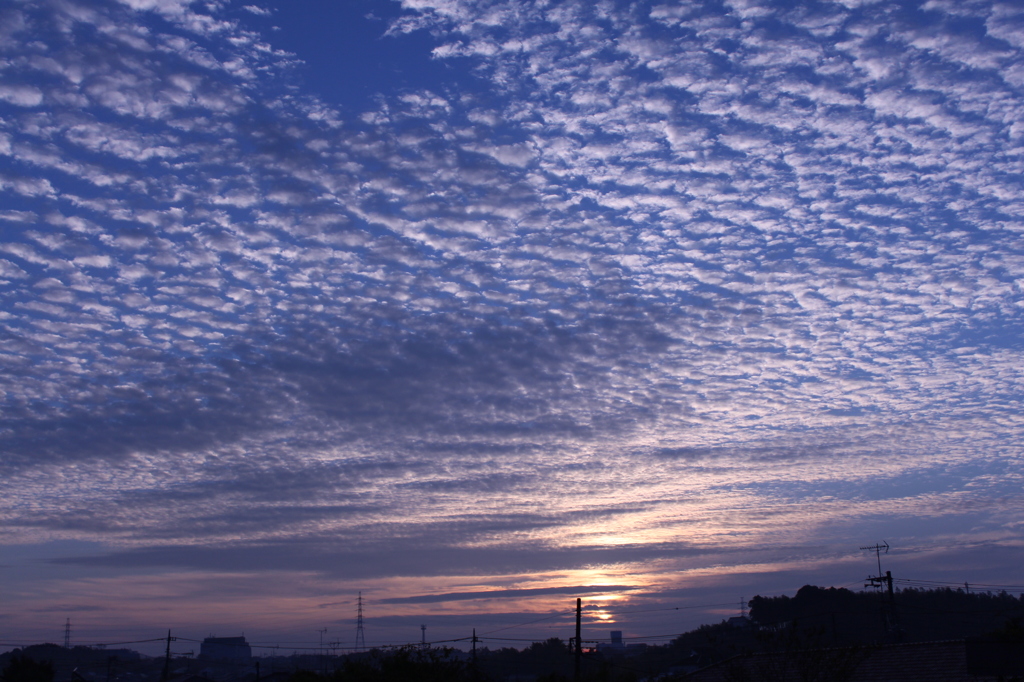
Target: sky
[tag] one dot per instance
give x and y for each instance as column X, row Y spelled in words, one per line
column 475, row 307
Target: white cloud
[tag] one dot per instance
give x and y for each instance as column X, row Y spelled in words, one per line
column 96, row 261
column 30, row 187
column 260, row 11
column 21, row 95
column 163, row 6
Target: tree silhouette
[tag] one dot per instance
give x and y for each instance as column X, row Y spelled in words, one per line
column 24, row 669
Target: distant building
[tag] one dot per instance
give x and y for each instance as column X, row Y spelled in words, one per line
column 225, row 649
column 741, row 622
column 615, row 645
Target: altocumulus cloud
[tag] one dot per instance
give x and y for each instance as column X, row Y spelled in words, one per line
column 679, row 263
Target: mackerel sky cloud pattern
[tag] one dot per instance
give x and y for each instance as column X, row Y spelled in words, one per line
column 635, row 288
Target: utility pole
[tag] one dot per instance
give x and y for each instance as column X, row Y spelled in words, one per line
column 323, row 659
column 167, row 658
column 579, row 644
column 476, row 675
column 423, row 636
column 892, row 598
column 888, row 605
column 67, row 633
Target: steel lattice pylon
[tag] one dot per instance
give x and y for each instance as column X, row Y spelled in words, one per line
column 360, row 639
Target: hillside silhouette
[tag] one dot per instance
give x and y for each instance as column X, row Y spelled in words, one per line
column 847, row 617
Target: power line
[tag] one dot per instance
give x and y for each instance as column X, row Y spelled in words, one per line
column 944, row 583
column 304, row 645
column 677, row 608
column 539, row 620
column 618, row 613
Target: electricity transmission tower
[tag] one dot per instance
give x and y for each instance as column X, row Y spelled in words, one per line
column 360, row 638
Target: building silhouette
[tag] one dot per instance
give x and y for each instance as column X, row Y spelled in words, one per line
column 225, row 649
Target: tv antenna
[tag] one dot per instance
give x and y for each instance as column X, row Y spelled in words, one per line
column 878, row 553
column 360, row 639
column 879, row 581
